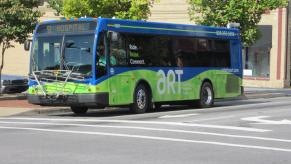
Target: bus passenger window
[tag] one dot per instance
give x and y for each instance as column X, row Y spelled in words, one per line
column 101, row 57
column 117, row 51
column 179, row 60
column 138, row 50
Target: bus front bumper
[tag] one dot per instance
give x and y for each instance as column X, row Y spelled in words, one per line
column 90, row 100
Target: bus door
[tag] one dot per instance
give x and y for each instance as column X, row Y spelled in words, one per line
column 120, row 79
column 120, row 88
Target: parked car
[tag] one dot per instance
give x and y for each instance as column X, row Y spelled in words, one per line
column 13, row 84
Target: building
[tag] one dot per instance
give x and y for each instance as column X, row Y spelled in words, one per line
column 16, row 60
column 266, row 63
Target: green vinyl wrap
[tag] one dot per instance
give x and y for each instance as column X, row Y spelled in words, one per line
column 121, row 86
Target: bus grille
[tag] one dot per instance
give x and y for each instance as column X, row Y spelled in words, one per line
column 55, row 81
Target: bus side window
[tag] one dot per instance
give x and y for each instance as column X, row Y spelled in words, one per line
column 184, row 51
column 179, row 60
column 117, row 50
column 100, row 57
column 149, row 50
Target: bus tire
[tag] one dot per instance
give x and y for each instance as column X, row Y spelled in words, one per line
column 206, row 96
column 141, row 100
column 79, row 109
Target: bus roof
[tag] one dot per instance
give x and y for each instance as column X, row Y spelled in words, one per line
column 133, row 26
column 169, row 28
column 67, row 20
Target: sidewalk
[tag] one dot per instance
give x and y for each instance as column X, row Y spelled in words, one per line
column 253, row 93
column 14, row 104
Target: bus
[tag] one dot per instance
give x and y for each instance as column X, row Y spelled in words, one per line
column 101, row 62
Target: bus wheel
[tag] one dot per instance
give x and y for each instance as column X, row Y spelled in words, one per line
column 141, row 100
column 206, row 95
column 79, row 109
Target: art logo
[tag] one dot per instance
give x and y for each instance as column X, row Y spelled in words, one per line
column 167, row 81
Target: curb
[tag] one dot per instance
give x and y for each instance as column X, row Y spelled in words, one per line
column 46, row 110
column 52, row 110
column 266, row 95
column 13, row 97
column 35, row 111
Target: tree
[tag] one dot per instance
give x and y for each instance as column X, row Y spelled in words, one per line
column 17, row 21
column 57, row 5
column 221, row 12
column 124, row 9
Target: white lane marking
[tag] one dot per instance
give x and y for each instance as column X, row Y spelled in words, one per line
column 149, row 129
column 150, row 138
column 210, row 119
column 261, row 120
column 143, row 122
column 178, row 116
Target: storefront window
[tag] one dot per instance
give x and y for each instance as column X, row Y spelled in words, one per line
column 257, row 62
column 256, row 58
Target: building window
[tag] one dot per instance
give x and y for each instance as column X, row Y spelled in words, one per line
column 257, row 62
column 256, row 58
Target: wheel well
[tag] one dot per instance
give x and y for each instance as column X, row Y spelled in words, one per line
column 206, row 80
column 146, row 84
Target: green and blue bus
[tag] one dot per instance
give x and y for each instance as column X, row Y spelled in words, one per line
column 100, row 62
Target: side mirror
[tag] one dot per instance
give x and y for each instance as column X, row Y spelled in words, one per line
column 27, row 45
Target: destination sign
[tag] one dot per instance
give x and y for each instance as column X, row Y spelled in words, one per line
column 67, row 27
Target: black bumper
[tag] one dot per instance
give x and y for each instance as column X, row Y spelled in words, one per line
column 89, row 100
column 13, row 88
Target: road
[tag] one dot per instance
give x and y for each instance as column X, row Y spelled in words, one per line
column 241, row 131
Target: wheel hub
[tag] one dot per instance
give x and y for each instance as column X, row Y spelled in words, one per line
column 207, row 96
column 141, row 99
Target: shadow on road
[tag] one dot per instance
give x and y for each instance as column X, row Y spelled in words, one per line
column 117, row 111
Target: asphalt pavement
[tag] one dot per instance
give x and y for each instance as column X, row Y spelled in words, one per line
column 252, row 131
column 16, row 104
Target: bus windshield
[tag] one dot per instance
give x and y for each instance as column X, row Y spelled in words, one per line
column 63, row 52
